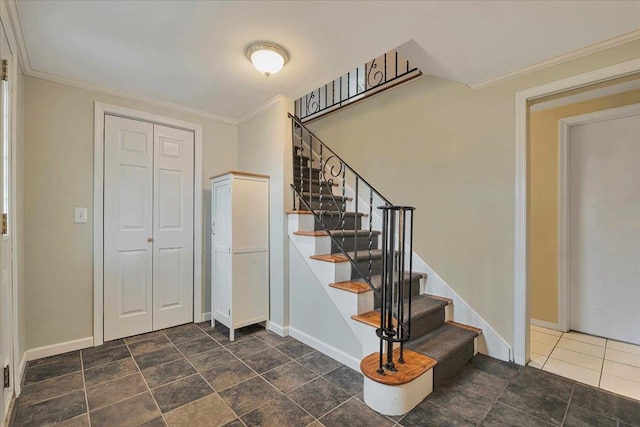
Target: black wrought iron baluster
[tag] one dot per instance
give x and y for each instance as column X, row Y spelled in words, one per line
column 390, row 290
column 357, row 78
column 344, row 201
column 310, row 175
column 300, row 163
column 326, row 97
column 341, row 91
column 401, row 219
column 348, row 84
column 385, row 67
column 396, row 64
column 355, row 228
column 410, row 270
column 320, row 183
column 370, row 230
column 293, row 132
column 381, row 332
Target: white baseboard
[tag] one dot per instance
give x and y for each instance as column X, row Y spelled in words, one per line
column 54, row 349
column 490, row 342
column 545, row 324
column 17, row 386
column 283, row 331
column 322, row 347
column 204, row 317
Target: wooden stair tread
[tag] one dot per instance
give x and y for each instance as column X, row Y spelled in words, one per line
column 317, row 233
column 330, row 258
column 348, row 233
column 352, row 286
column 415, row 364
column 306, row 212
column 326, row 196
column 371, row 318
column 467, row 327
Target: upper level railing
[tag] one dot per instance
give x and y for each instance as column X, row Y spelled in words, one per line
column 379, row 74
column 325, row 191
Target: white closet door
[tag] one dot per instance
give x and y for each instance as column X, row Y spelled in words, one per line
column 128, row 227
column 173, row 227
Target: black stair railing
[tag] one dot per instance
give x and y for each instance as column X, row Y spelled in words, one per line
column 322, row 190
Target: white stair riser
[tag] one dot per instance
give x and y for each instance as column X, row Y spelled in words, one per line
column 399, row 399
column 301, row 223
column 350, row 303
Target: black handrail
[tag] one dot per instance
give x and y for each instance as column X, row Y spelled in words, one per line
column 330, row 213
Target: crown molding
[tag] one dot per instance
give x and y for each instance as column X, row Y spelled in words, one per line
column 267, row 105
column 559, row 59
column 130, row 95
column 27, row 69
column 18, row 35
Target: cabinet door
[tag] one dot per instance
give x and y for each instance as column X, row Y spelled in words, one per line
column 221, row 251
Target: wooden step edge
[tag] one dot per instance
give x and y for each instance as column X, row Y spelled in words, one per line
column 330, row 258
column 415, row 364
column 467, row 327
column 351, row 286
column 317, row 233
column 447, row 300
column 304, row 212
column 371, row 318
column 327, row 196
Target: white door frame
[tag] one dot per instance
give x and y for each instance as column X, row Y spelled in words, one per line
column 564, row 138
column 521, row 302
column 100, row 109
column 18, row 361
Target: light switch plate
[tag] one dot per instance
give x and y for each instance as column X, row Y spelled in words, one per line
column 80, row 216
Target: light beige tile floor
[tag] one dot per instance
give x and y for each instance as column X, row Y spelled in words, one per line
column 599, row 362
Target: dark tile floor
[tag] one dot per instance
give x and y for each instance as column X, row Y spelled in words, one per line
column 193, row 376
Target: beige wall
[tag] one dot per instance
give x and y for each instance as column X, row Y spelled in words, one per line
column 543, row 198
column 264, row 146
column 58, row 170
column 449, row 151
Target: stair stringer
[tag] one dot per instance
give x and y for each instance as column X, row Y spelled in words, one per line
column 490, row 343
column 347, row 303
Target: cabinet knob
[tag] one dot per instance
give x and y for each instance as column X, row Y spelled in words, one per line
column 150, row 239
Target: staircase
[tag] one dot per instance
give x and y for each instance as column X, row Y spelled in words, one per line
column 410, row 344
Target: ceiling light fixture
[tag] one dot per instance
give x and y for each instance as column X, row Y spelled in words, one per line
column 267, row 58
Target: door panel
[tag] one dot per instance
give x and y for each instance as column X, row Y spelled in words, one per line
column 221, row 242
column 173, row 227
column 128, row 227
column 604, row 209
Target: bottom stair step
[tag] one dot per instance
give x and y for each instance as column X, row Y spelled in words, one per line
column 452, row 345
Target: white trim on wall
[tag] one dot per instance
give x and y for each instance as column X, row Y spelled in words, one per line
column 521, row 307
column 100, row 109
column 564, row 138
column 59, row 348
column 559, row 59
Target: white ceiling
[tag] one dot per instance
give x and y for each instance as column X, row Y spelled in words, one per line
column 192, row 53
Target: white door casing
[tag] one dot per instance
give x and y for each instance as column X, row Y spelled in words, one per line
column 522, row 98
column 173, row 227
column 604, row 227
column 6, row 244
column 128, row 227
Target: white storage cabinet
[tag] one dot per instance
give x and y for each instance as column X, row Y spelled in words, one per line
column 240, row 249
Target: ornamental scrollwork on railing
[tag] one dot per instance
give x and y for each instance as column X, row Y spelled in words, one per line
column 332, row 168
